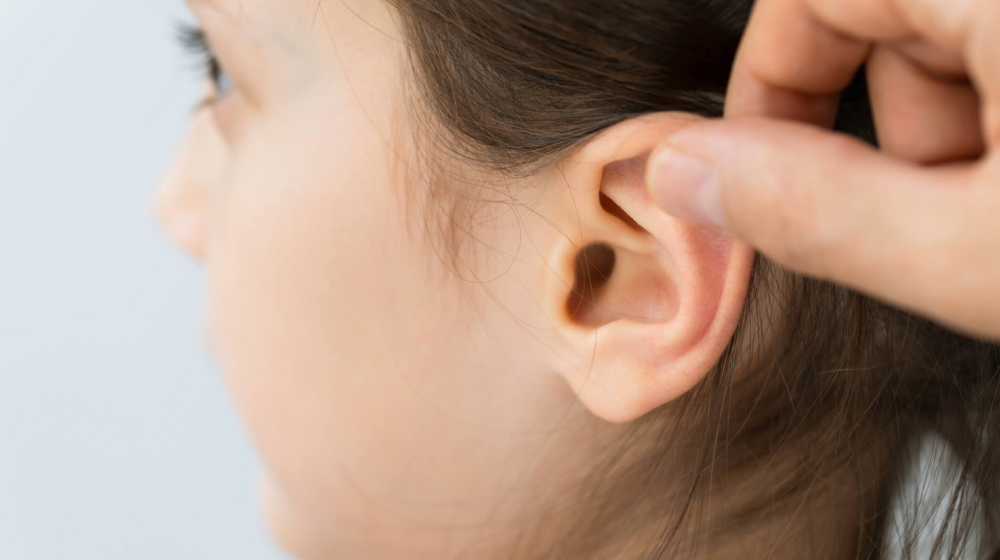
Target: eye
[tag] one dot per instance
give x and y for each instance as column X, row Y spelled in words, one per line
column 220, row 79
column 193, row 40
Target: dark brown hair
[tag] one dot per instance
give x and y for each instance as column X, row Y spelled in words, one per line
column 838, row 385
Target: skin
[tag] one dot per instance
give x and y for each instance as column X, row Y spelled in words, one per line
column 405, row 406
column 913, row 223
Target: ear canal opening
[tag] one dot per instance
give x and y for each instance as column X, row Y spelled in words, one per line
column 592, row 269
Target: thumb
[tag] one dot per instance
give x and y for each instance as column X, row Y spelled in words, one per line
column 829, row 206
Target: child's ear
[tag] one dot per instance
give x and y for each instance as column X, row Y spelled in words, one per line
column 646, row 303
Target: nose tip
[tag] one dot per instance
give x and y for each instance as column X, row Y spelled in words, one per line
column 189, row 232
column 160, row 202
column 183, row 222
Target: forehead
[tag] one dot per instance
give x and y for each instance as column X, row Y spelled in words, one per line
column 242, row 9
column 261, row 21
column 296, row 12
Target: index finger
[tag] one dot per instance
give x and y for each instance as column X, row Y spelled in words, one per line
column 798, row 55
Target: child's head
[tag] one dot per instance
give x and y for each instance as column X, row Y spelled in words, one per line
column 456, row 325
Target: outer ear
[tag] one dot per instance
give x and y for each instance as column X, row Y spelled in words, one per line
column 646, row 303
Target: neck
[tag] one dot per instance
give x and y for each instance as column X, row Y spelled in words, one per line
column 783, row 508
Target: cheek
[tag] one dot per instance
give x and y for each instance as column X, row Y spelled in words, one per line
column 374, row 391
column 297, row 276
column 324, row 317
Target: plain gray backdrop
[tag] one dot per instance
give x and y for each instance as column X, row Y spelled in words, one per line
column 118, row 440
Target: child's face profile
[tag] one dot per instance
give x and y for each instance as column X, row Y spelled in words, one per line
column 438, row 356
column 400, row 408
column 382, row 401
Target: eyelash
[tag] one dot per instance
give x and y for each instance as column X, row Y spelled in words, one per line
column 193, row 40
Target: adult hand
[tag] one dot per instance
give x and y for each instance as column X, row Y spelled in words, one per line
column 916, row 224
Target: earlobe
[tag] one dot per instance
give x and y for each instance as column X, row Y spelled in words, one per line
column 645, row 303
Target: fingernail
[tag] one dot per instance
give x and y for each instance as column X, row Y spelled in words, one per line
column 686, row 187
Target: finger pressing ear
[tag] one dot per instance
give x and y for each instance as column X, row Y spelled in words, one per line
column 832, row 207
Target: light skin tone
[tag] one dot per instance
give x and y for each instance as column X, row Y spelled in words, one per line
column 915, row 223
column 406, row 406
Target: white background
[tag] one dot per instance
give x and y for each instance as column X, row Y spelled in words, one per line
column 117, row 439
